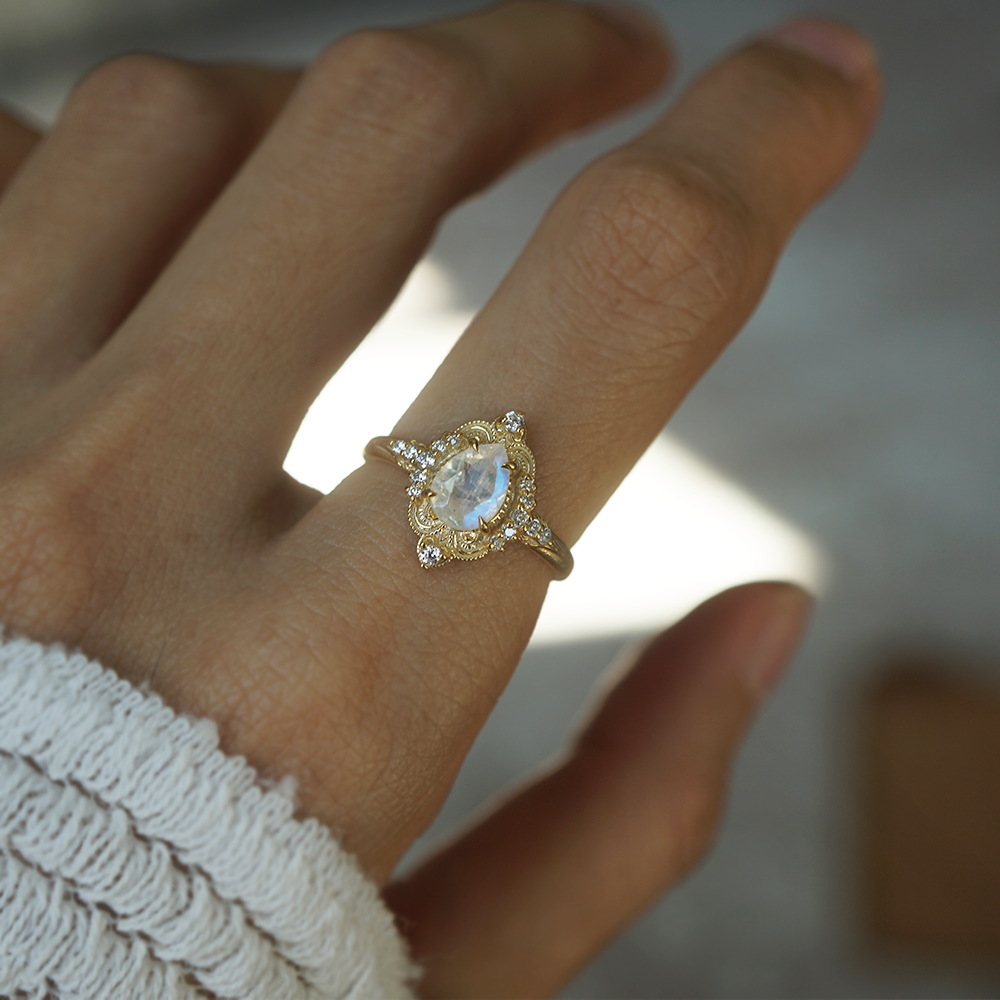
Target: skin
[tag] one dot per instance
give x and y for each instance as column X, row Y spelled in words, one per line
column 187, row 257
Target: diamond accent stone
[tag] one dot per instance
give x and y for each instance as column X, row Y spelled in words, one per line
column 527, row 501
column 454, row 440
column 527, row 485
column 415, row 490
column 471, row 485
column 546, row 536
column 514, row 421
column 534, row 528
column 509, row 531
column 439, row 446
column 410, row 452
column 425, row 459
column 518, row 517
column 420, row 476
column 398, row 447
column 429, row 555
column 497, row 542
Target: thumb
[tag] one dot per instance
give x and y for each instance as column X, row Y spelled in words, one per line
column 523, row 899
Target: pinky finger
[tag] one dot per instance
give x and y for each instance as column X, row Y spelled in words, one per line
column 521, row 901
column 16, row 141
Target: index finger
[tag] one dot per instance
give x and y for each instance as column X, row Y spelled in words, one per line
column 649, row 264
column 641, row 273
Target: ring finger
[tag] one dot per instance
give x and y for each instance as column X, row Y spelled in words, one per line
column 143, row 146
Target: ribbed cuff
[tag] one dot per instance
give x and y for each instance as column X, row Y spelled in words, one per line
column 138, row 860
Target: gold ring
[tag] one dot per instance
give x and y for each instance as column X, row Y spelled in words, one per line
column 473, row 490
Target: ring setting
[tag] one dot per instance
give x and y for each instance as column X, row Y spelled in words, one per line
column 472, row 491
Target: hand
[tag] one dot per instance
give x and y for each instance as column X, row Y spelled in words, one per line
column 192, row 251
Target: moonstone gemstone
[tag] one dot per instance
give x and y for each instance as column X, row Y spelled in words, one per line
column 471, row 485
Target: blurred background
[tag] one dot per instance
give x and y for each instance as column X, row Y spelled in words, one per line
column 849, row 440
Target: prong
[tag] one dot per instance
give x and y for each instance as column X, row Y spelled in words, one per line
column 475, row 445
column 507, row 465
column 483, row 526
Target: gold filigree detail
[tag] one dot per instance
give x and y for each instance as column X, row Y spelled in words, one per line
column 515, row 520
column 439, row 542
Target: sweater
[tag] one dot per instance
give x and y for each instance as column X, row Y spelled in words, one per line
column 137, row 860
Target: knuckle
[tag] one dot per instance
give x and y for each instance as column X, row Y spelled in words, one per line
column 141, row 87
column 661, row 243
column 46, row 553
column 83, row 507
column 400, row 83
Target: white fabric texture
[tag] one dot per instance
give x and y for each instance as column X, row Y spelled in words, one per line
column 139, row 861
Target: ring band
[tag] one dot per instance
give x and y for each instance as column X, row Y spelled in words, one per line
column 473, row 490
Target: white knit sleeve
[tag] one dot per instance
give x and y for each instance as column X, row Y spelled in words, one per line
column 139, row 861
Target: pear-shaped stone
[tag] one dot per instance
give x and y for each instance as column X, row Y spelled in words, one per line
column 471, row 485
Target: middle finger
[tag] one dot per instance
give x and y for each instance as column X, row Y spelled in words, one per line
column 309, row 245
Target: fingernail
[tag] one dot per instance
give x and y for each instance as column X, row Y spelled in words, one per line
column 850, row 54
column 768, row 653
column 630, row 18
